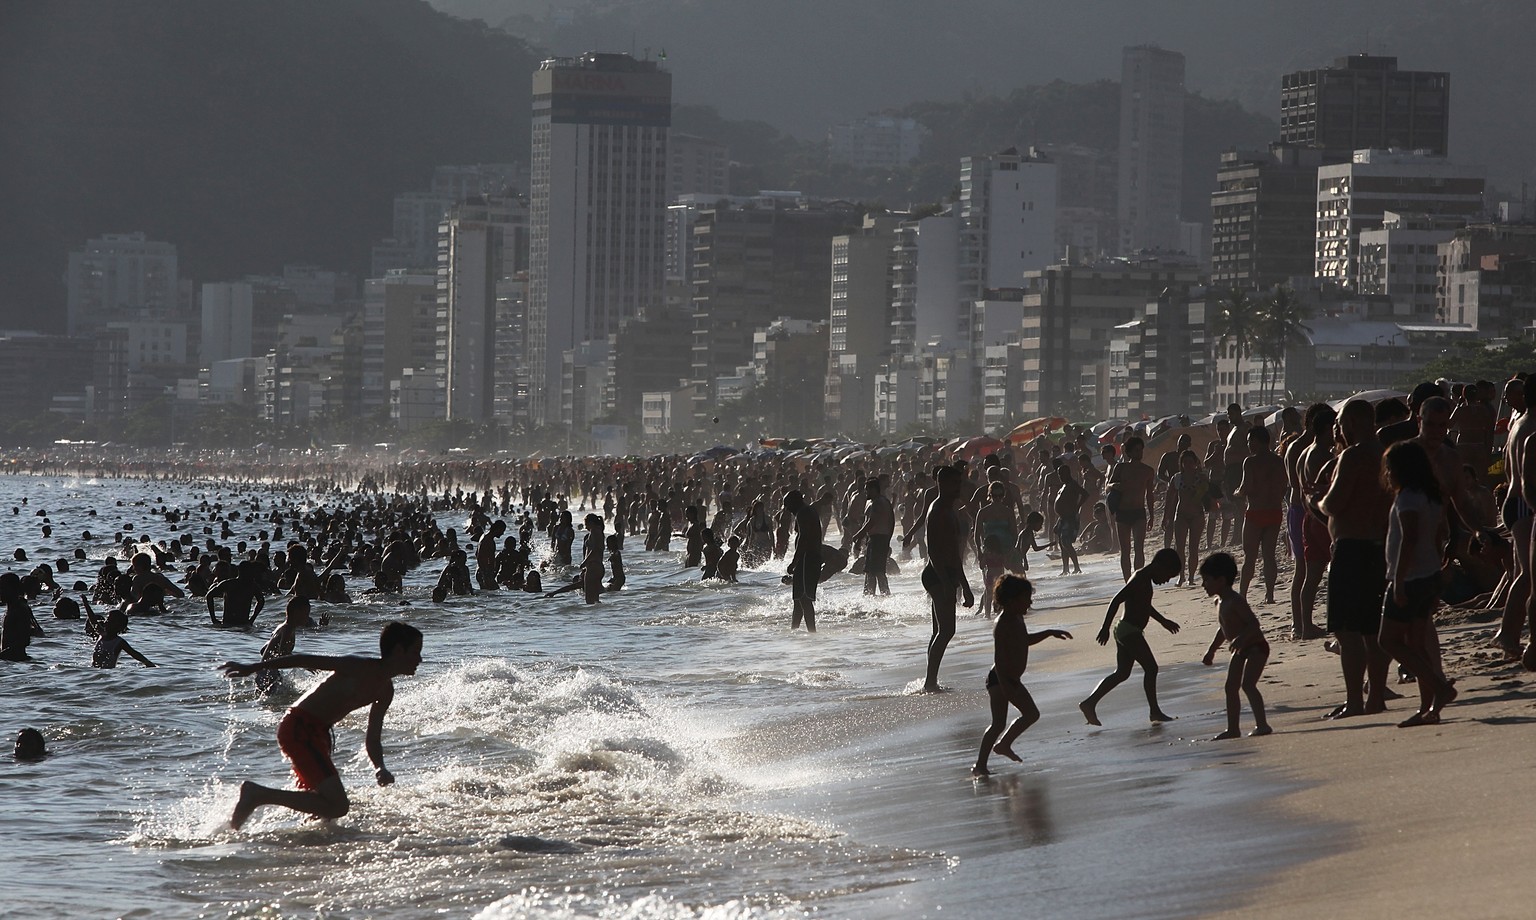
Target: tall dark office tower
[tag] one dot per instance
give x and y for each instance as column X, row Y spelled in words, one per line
column 1364, row 101
column 597, row 207
column 1151, row 148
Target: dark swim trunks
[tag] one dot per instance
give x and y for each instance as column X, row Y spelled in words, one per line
column 307, row 743
column 1132, row 516
column 1421, row 594
column 1357, row 579
column 807, row 576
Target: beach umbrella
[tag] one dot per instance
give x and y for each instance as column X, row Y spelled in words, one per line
column 981, row 446
column 856, row 456
column 1371, row 396
column 1034, row 428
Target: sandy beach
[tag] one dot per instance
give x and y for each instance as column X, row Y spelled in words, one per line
column 1355, row 818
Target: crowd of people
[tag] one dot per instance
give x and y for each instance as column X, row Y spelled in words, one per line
column 1391, row 505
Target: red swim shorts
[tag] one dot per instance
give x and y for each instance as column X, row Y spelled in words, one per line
column 1264, row 517
column 306, row 742
column 1316, row 543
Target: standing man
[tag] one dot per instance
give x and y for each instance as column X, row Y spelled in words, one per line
column 876, row 532
column 1235, row 452
column 805, row 566
column 945, row 572
column 1130, row 483
column 1263, row 488
column 1357, row 507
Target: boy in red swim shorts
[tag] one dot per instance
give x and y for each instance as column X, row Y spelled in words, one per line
column 305, row 731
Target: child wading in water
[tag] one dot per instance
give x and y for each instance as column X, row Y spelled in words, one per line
column 1250, row 650
column 1011, row 594
column 1131, row 646
column 304, row 734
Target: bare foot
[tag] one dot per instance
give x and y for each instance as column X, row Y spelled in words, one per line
column 1005, row 750
column 244, row 806
column 1420, row 718
column 931, row 688
column 1373, row 708
column 1343, row 711
column 1528, row 660
column 1088, row 713
column 1160, row 716
column 1227, row 735
column 1309, row 631
column 979, row 770
column 1260, row 731
column 1445, row 697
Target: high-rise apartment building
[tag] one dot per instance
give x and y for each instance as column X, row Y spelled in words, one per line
column 399, row 332
column 1364, row 101
column 480, row 245
column 227, row 310
column 1007, row 224
column 860, row 332
column 751, row 267
column 1264, row 216
column 598, row 187
column 115, row 277
column 925, row 280
column 1151, row 148
column 1069, row 314
column 1353, row 196
column 697, row 166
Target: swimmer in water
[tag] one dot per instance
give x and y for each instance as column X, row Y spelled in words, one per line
column 304, row 734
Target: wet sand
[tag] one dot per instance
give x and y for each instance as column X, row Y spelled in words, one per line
column 1355, row 818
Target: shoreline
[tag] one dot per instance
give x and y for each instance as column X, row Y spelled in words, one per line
column 1356, row 817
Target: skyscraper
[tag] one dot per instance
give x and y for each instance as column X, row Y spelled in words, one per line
column 480, row 246
column 597, row 206
column 1151, row 148
column 1364, row 101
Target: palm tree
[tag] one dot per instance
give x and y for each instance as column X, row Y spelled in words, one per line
column 1281, row 324
column 1235, row 322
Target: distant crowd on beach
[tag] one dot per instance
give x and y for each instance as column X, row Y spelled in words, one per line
column 1400, row 505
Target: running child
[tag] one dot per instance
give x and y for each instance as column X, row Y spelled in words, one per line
column 1131, row 646
column 304, row 734
column 1011, row 638
column 1240, row 629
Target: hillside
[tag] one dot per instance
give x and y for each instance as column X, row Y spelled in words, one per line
column 250, row 134
column 804, row 64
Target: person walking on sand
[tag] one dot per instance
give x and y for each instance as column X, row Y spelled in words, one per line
column 1011, row 639
column 945, row 572
column 1131, row 646
column 304, row 734
column 805, row 566
column 1240, row 629
column 1263, row 489
column 1356, row 507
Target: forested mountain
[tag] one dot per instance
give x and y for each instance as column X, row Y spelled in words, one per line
column 250, row 134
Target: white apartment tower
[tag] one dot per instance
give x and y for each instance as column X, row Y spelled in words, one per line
column 480, row 246
column 1007, row 224
column 1151, row 148
column 597, row 200
column 1353, row 197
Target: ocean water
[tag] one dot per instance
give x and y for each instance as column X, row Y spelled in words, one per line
column 673, row 752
